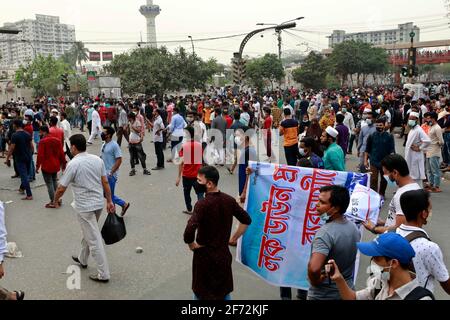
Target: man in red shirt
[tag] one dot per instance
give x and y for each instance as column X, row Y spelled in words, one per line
column 191, row 156
column 55, row 131
column 28, row 128
column 103, row 112
column 51, row 159
column 227, row 116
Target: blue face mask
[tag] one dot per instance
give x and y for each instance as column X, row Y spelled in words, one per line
column 390, row 182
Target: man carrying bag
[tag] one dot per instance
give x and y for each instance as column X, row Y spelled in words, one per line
column 90, row 186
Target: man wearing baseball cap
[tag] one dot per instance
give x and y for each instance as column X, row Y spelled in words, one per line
column 334, row 158
column 391, row 278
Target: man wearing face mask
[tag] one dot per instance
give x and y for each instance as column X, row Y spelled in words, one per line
column 434, row 153
column 112, row 158
column 50, row 159
column 396, row 173
column 336, row 240
column 208, row 236
column 334, row 158
column 191, row 156
column 391, row 278
column 429, row 262
column 366, row 131
column 416, row 144
column 309, row 150
column 379, row 145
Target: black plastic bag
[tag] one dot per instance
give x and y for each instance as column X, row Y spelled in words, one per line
column 114, row 229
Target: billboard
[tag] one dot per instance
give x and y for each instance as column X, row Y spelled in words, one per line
column 107, row 56
column 94, row 56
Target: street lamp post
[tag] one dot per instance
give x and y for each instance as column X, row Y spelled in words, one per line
column 193, row 48
column 32, row 46
column 278, row 31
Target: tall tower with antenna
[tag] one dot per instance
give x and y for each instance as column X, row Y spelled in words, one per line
column 150, row 11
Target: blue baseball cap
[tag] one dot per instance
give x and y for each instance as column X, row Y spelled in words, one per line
column 390, row 245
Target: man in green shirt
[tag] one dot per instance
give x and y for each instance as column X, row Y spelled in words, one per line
column 333, row 158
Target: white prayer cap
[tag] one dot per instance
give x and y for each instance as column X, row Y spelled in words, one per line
column 55, row 111
column 332, row 132
column 367, row 110
column 414, row 114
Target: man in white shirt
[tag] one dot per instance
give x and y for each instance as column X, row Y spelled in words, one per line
column 158, row 127
column 417, row 143
column 429, row 262
column 396, row 173
column 96, row 125
column 5, row 294
column 348, row 120
column 65, row 125
column 87, row 175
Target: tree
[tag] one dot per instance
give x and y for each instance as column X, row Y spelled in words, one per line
column 43, row 75
column 312, row 73
column 156, row 70
column 79, row 52
column 357, row 57
column 265, row 69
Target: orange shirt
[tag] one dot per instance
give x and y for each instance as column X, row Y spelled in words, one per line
column 207, row 112
column 289, row 129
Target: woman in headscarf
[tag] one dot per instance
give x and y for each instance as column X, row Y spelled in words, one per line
column 314, row 131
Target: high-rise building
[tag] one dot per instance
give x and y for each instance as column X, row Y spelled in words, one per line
column 381, row 37
column 43, row 36
column 150, row 12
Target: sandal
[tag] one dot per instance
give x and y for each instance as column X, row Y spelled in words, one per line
column 20, row 295
column 230, row 171
column 50, row 206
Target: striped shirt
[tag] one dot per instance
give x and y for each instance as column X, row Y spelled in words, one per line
column 85, row 173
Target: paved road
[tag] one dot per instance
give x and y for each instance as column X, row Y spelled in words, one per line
column 163, row 271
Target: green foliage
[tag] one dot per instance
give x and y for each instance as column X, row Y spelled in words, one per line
column 265, row 69
column 76, row 55
column 156, row 71
column 43, row 75
column 357, row 57
column 312, row 73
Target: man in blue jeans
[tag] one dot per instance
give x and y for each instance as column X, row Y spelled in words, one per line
column 112, row 157
column 22, row 148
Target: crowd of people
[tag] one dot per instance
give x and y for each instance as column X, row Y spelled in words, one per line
column 318, row 129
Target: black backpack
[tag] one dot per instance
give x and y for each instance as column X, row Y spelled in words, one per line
column 419, row 293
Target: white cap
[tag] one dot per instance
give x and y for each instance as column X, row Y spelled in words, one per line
column 367, row 110
column 55, row 111
column 332, row 132
column 414, row 114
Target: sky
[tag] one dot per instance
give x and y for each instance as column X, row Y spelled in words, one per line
column 120, row 21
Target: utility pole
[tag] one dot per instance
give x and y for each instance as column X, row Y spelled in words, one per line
column 193, row 48
column 280, row 41
column 278, row 31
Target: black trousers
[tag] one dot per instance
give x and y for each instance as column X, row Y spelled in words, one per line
column 159, row 154
column 188, row 184
column 137, row 153
column 292, row 155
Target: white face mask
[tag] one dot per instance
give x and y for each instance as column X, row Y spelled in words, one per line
column 378, row 272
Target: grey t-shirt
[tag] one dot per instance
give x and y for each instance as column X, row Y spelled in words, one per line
column 336, row 240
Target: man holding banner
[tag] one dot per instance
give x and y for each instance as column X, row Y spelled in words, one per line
column 335, row 240
column 286, row 205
